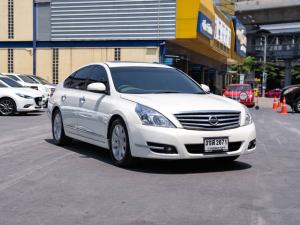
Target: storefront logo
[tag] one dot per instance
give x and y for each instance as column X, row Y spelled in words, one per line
column 222, row 32
column 241, row 38
column 205, row 26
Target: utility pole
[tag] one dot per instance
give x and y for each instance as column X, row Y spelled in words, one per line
column 34, row 37
column 264, row 76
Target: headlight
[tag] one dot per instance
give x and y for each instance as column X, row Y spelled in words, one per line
column 24, row 96
column 151, row 117
column 248, row 117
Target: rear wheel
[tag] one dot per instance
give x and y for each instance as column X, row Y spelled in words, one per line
column 7, row 107
column 58, row 132
column 297, row 105
column 119, row 144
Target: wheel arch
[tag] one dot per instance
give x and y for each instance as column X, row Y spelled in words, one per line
column 9, row 97
column 55, row 108
column 111, row 120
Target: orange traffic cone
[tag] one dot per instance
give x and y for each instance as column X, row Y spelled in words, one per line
column 284, row 108
column 275, row 103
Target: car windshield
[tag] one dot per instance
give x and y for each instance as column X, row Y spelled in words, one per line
column 28, row 79
column 153, row 80
column 10, row 82
column 239, row 88
column 42, row 80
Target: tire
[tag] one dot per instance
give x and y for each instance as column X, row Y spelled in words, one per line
column 7, row 107
column 228, row 159
column 297, row 105
column 119, row 144
column 58, row 131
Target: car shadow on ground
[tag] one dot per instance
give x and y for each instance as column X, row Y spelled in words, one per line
column 157, row 166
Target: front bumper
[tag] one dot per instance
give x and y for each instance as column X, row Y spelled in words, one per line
column 29, row 105
column 179, row 138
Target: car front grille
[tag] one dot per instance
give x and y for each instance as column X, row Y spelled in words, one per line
column 199, row 148
column 222, row 120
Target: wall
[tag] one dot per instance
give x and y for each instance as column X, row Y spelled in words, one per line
column 22, row 20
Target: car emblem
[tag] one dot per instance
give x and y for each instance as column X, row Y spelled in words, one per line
column 213, row 120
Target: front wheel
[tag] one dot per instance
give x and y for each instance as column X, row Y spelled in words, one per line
column 119, row 144
column 58, row 132
column 7, row 107
column 297, row 105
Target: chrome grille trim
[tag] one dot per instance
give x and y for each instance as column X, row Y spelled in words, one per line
column 200, row 120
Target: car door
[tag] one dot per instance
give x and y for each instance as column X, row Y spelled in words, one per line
column 93, row 114
column 70, row 99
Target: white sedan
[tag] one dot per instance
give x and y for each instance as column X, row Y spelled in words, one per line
column 148, row 111
column 15, row 98
column 27, row 81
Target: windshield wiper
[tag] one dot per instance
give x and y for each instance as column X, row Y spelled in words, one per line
column 168, row 92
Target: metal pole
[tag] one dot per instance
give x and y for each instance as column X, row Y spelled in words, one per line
column 34, row 38
column 264, row 68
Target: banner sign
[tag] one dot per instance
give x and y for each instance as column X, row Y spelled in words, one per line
column 241, row 38
column 222, row 32
column 205, row 26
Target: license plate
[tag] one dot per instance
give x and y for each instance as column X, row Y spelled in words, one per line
column 215, row 145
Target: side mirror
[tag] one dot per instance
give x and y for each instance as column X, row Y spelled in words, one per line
column 96, row 87
column 205, row 88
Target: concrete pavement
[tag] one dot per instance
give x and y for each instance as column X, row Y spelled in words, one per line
column 42, row 184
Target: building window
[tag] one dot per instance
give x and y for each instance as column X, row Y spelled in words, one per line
column 117, row 54
column 55, row 66
column 11, row 19
column 10, row 61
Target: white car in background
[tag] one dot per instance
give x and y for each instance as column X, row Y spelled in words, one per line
column 15, row 98
column 44, row 82
column 26, row 81
column 148, row 110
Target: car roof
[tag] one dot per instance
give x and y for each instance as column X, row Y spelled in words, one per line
column 135, row 64
column 13, row 74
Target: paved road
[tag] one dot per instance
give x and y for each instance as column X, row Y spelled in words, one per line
column 42, row 184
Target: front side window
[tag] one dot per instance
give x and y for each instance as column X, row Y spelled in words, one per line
column 2, row 85
column 153, row 80
column 98, row 74
column 78, row 79
column 10, row 82
column 28, row 79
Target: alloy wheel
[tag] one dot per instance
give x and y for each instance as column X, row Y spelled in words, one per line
column 119, row 142
column 57, row 127
column 6, row 107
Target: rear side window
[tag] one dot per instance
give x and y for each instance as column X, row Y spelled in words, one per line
column 2, row 85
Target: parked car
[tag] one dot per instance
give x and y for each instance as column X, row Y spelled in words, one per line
column 15, row 98
column 26, row 81
column 148, row 111
column 273, row 93
column 292, row 95
column 242, row 93
column 44, row 82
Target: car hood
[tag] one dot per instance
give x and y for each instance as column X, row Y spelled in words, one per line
column 27, row 91
column 177, row 103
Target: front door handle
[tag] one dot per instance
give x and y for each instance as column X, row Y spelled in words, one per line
column 63, row 98
column 82, row 100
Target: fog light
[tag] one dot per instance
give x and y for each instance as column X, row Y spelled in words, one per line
column 27, row 106
column 252, row 144
column 162, row 148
